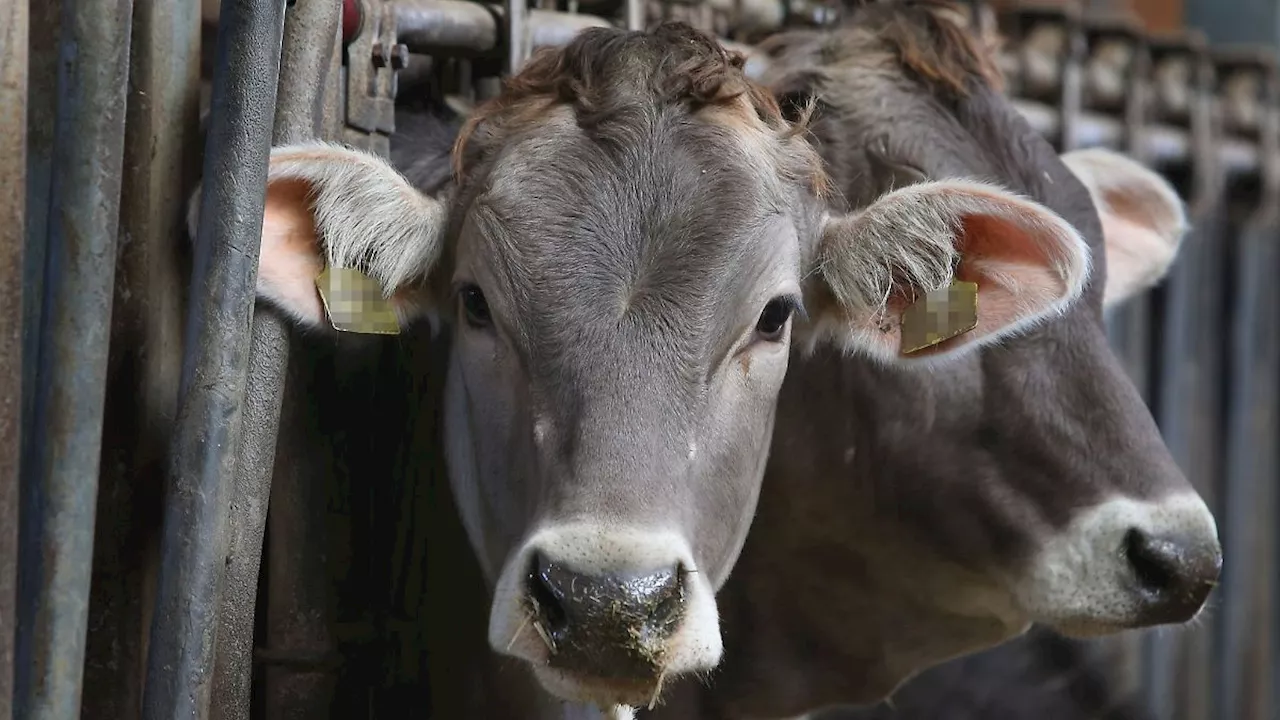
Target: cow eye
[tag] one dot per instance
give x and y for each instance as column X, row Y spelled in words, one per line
column 474, row 306
column 774, row 317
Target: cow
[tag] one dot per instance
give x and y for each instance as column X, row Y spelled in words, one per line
column 908, row 517
column 631, row 230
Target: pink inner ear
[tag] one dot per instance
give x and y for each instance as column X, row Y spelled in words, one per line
column 290, row 257
column 1136, row 256
column 1016, row 275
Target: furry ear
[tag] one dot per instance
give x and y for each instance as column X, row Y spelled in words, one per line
column 333, row 206
column 1028, row 264
column 1143, row 219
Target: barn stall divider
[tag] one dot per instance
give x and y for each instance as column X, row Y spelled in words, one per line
column 144, row 434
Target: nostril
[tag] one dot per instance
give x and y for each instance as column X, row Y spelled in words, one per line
column 660, row 595
column 1154, row 563
column 548, row 598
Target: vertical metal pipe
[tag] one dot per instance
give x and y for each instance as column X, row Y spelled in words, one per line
column 161, row 161
column 13, row 176
column 307, row 69
column 207, row 433
column 517, row 14
column 61, row 458
column 44, row 30
column 635, row 14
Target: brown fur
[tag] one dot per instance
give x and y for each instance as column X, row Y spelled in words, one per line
column 928, row 42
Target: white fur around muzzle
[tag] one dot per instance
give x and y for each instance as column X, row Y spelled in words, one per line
column 1081, row 581
column 596, row 549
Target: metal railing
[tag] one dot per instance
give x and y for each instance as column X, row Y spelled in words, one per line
column 124, row 398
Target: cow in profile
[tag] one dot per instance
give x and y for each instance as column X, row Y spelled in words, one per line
column 632, row 229
column 912, row 515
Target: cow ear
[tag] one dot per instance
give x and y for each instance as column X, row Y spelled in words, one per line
column 1143, row 219
column 1027, row 262
column 336, row 207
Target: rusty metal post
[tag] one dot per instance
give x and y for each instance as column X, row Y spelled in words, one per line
column 369, row 77
column 307, row 69
column 180, row 656
column 61, row 448
column 13, row 198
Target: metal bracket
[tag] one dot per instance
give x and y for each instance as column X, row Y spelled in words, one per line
column 370, row 63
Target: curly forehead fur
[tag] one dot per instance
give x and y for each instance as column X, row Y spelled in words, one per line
column 610, row 77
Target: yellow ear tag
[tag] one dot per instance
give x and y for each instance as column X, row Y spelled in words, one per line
column 354, row 302
column 940, row 315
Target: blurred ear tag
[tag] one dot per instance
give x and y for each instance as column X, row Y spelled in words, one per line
column 940, row 315
column 354, row 302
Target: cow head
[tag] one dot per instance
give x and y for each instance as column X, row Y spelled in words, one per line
column 1027, row 482
column 632, row 229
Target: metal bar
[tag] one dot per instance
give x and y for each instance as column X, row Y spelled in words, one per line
column 61, row 457
column 517, row 14
column 307, row 68
column 635, row 15
column 207, row 432
column 13, row 176
column 471, row 29
column 264, row 394
column 161, row 161
column 44, row 25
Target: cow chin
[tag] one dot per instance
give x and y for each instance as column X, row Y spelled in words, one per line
column 600, row 692
column 1125, row 564
column 604, row 615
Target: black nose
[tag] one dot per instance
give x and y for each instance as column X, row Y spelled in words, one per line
column 604, row 626
column 1175, row 574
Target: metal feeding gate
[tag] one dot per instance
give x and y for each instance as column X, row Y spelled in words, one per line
column 140, row 415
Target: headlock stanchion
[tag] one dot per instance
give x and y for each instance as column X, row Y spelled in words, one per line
column 180, row 660
column 260, row 420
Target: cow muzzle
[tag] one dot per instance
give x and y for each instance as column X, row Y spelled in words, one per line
column 605, row 616
column 613, row 626
column 1126, row 564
